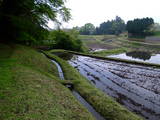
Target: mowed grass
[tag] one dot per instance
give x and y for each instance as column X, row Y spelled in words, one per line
column 103, row 104
column 30, row 88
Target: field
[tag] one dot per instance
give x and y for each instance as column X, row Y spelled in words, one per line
column 119, row 44
column 134, row 86
column 133, row 79
column 31, row 88
column 103, row 104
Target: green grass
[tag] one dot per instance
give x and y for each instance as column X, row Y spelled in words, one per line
column 157, row 33
column 103, row 104
column 30, row 88
column 5, row 74
column 31, row 58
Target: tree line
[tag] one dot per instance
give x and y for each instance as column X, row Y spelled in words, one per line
column 136, row 27
column 116, row 26
column 140, row 27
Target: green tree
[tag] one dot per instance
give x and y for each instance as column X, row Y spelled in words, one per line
column 87, row 29
column 139, row 27
column 118, row 25
column 25, row 21
column 115, row 26
column 66, row 40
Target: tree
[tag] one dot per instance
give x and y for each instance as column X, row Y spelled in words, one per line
column 140, row 27
column 106, row 28
column 118, row 25
column 87, row 29
column 115, row 26
column 25, row 21
column 66, row 40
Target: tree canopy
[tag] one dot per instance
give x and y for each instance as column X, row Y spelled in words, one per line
column 139, row 27
column 115, row 26
column 25, row 21
column 67, row 40
column 87, row 29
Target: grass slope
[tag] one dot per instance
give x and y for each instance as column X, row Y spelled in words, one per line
column 30, row 88
column 105, row 105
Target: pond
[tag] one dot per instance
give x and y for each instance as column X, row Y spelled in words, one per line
column 139, row 56
column 134, row 86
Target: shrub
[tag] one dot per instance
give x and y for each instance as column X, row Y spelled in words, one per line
column 65, row 40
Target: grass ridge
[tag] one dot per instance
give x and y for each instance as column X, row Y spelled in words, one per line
column 103, row 104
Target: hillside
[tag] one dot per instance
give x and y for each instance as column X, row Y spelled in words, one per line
column 29, row 88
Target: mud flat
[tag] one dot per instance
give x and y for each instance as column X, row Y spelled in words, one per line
column 134, row 86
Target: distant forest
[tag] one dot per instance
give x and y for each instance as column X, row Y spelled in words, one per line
column 140, row 27
column 136, row 27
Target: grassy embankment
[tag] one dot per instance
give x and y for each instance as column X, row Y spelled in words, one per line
column 30, row 88
column 105, row 105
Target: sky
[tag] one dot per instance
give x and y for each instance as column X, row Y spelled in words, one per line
column 98, row 11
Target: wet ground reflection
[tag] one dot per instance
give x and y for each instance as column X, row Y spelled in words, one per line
column 136, row 87
column 139, row 56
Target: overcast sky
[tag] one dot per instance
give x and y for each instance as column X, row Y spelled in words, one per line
column 98, row 11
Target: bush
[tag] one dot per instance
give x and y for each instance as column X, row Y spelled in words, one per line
column 65, row 40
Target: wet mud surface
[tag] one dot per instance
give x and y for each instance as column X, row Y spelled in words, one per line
column 134, row 86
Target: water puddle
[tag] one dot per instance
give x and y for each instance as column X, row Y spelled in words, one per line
column 139, row 56
column 97, row 50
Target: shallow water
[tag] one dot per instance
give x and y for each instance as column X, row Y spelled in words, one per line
column 134, row 86
column 139, row 56
column 97, row 50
